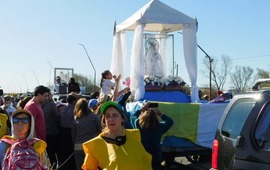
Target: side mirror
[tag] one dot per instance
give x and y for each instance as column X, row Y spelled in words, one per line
column 240, row 141
column 1, row 92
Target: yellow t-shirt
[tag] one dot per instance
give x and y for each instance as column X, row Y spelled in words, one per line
column 130, row 156
column 3, row 123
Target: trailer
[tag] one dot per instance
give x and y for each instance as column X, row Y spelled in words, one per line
column 193, row 131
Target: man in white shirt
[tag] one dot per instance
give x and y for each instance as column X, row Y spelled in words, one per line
column 60, row 87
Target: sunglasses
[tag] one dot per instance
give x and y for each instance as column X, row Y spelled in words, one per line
column 23, row 120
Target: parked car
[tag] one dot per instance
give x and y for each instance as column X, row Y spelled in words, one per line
column 242, row 140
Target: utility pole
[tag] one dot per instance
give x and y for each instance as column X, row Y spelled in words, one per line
column 210, row 72
column 91, row 65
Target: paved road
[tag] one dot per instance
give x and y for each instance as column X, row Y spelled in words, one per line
column 183, row 164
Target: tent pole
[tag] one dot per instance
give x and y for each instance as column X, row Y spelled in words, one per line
column 173, row 53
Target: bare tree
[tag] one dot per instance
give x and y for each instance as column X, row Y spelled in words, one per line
column 262, row 74
column 84, row 81
column 241, row 77
column 219, row 71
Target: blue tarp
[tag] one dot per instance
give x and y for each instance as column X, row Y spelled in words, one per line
column 167, row 96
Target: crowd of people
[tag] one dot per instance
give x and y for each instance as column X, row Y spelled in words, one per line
column 79, row 133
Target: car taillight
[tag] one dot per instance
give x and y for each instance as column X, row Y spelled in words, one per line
column 215, row 154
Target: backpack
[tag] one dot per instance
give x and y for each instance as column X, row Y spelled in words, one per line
column 21, row 155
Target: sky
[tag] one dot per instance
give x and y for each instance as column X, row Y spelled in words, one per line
column 37, row 36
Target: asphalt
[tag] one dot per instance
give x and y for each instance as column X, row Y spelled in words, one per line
column 183, row 164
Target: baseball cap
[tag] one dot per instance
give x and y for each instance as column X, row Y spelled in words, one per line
column 92, row 103
column 107, row 104
column 7, row 96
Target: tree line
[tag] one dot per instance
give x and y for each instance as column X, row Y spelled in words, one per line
column 241, row 78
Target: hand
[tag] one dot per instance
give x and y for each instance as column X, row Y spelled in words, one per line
column 117, row 79
column 157, row 111
column 126, row 89
column 145, row 107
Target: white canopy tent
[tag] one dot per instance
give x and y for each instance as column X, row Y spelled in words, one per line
column 157, row 17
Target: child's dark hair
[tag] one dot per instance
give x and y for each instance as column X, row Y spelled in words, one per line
column 103, row 76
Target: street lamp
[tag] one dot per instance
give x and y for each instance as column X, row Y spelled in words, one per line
column 26, row 84
column 50, row 71
column 19, row 85
column 210, row 71
column 35, row 77
column 91, row 65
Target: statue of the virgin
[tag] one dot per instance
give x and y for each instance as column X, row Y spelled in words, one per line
column 154, row 65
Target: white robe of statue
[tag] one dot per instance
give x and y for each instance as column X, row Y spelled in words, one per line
column 154, row 64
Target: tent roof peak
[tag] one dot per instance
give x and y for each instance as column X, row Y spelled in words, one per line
column 157, row 17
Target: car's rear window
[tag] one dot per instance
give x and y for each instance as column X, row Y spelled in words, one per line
column 236, row 117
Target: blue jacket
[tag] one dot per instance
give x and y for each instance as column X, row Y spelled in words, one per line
column 151, row 138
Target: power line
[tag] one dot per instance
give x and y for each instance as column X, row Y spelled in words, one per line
column 243, row 58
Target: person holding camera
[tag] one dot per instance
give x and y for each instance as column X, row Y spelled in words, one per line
column 147, row 121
